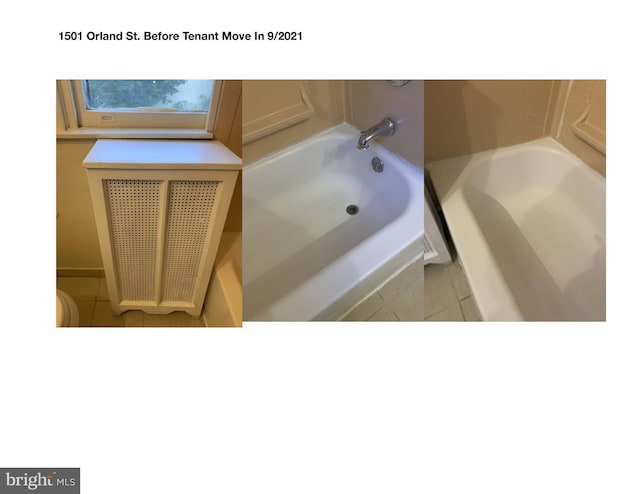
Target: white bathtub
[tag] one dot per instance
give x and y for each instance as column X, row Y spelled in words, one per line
column 304, row 257
column 528, row 223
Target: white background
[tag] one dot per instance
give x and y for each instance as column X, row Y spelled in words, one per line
column 317, row 408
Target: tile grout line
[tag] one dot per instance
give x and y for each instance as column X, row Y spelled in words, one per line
column 448, row 276
column 402, row 290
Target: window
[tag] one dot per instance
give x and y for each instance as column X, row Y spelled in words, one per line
column 137, row 108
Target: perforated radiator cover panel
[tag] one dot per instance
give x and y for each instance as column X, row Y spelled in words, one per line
column 138, row 213
column 133, row 211
column 188, row 220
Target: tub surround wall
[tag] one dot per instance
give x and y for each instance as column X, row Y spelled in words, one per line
column 574, row 98
column 368, row 102
column 361, row 103
column 274, row 105
column 265, row 98
column 465, row 116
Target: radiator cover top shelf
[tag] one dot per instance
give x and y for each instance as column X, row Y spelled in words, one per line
column 160, row 207
column 128, row 153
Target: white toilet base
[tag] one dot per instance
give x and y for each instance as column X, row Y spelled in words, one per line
column 66, row 310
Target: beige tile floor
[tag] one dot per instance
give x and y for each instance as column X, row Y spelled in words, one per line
column 400, row 299
column 431, row 293
column 447, row 296
column 92, row 299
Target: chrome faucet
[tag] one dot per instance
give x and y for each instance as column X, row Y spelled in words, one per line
column 386, row 127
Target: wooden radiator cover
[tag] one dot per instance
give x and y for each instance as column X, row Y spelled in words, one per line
column 160, row 207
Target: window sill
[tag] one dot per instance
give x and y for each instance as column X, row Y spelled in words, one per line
column 94, row 133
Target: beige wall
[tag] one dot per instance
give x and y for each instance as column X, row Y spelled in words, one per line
column 77, row 244
column 368, row 102
column 463, row 117
column 361, row 103
column 228, row 129
column 574, row 98
column 260, row 98
column 76, row 235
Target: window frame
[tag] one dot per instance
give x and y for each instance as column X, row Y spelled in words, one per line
column 73, row 120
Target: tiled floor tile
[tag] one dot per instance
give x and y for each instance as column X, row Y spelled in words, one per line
column 133, row 318
column 447, row 294
column 438, row 289
column 103, row 293
column 103, row 317
column 401, row 298
column 175, row 319
column 79, row 287
column 408, row 305
column 459, row 280
column 384, row 314
column 451, row 313
column 402, row 280
column 469, row 310
column 92, row 299
column 85, row 311
column 365, row 309
column 196, row 322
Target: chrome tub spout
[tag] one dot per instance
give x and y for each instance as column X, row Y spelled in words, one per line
column 386, row 127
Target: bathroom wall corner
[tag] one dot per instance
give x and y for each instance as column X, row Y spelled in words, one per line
column 574, row 99
column 327, row 99
column 228, row 130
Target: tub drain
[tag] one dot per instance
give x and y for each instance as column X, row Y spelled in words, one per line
column 352, row 209
column 377, row 164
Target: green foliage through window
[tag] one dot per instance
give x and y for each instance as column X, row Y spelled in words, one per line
column 132, row 94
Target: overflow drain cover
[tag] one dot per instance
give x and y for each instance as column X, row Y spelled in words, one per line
column 352, row 209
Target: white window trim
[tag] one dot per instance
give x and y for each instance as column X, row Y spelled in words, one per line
column 69, row 120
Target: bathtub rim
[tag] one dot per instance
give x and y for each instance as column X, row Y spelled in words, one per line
column 493, row 296
column 347, row 130
column 457, row 169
